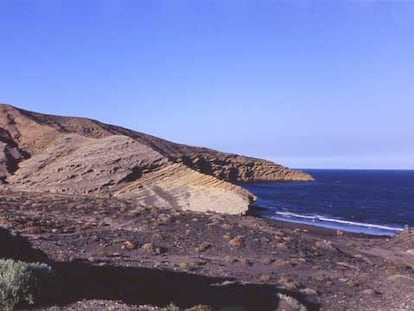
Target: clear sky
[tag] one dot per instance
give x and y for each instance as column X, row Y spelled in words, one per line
column 327, row 84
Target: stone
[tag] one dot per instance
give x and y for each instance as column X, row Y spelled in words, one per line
column 32, row 230
column 148, row 248
column 130, row 245
column 236, row 241
column 202, row 247
column 164, row 218
column 265, row 277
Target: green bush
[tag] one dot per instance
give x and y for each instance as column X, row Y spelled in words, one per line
column 22, row 283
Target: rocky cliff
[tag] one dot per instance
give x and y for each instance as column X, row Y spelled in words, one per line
column 80, row 156
column 10, row 155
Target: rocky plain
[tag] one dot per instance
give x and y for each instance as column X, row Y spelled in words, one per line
column 128, row 221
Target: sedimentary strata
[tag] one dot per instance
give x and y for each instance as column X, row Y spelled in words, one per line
column 80, row 156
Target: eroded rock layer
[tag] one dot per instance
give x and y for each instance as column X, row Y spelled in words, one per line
column 80, row 156
column 82, row 165
column 178, row 186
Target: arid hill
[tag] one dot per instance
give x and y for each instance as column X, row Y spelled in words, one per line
column 40, row 152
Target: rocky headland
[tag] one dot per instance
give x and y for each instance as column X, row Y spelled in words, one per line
column 80, row 156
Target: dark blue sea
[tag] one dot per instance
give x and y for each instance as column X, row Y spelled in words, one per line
column 379, row 202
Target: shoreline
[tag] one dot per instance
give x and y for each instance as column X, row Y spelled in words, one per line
column 319, row 231
column 314, row 227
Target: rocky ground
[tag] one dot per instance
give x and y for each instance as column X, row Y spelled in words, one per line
column 115, row 255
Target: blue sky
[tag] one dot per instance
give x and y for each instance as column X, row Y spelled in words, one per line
column 326, row 84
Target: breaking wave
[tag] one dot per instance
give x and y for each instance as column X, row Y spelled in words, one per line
column 333, row 223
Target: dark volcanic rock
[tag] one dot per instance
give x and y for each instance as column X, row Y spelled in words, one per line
column 10, row 155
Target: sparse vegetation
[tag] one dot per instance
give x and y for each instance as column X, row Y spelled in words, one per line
column 292, row 302
column 199, row 308
column 21, row 283
column 173, row 307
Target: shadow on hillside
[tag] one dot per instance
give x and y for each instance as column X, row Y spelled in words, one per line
column 156, row 287
column 76, row 281
column 14, row 246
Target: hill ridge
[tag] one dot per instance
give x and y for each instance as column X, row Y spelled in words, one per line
column 81, row 156
column 194, row 157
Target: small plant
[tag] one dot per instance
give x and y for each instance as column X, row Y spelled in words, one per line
column 202, row 247
column 292, row 302
column 172, row 307
column 199, row 308
column 21, row 283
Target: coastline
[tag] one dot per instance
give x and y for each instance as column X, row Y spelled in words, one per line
column 311, row 228
column 374, row 202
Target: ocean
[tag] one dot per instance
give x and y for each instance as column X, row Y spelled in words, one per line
column 377, row 202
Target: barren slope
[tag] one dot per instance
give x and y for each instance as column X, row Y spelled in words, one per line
column 23, row 124
column 80, row 156
column 126, row 168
